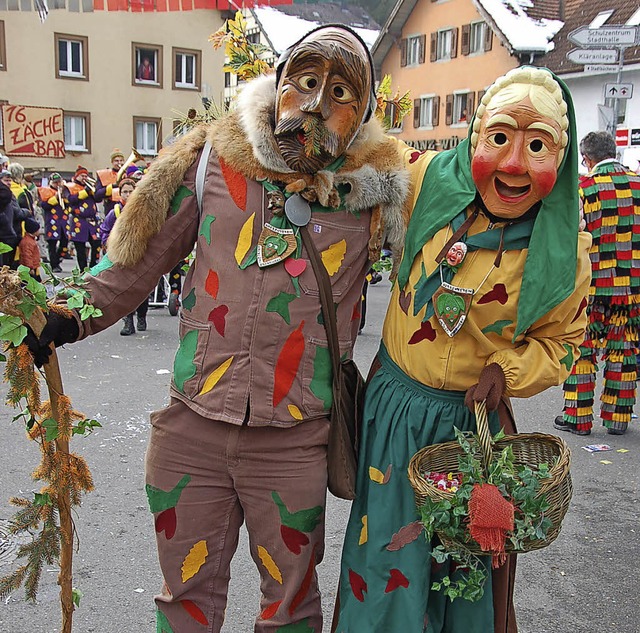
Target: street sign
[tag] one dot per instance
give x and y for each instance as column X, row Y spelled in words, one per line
column 622, row 137
column 601, row 68
column 635, row 136
column 618, row 91
column 621, row 35
column 592, row 56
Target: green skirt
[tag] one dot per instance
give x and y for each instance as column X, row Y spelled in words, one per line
column 387, row 568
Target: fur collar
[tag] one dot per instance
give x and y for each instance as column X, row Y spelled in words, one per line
column 244, row 140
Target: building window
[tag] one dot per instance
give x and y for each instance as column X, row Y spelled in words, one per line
column 227, row 80
column 444, row 44
column 3, row 48
column 146, row 135
column 394, row 125
column 147, row 65
column 425, row 112
column 253, row 37
column 477, row 37
column 186, row 69
column 462, row 108
column 2, row 102
column 72, row 56
column 76, row 131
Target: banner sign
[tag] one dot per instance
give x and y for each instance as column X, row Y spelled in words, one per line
column 33, row 131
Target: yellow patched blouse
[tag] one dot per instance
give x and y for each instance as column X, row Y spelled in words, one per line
column 539, row 359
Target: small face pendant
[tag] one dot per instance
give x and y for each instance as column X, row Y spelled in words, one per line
column 456, row 254
column 274, row 245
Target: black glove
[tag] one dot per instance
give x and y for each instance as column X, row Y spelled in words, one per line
column 490, row 387
column 59, row 330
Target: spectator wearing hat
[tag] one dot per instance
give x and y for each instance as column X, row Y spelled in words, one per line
column 4, row 162
column 134, row 173
column 28, row 249
column 106, row 183
column 56, row 217
column 83, row 217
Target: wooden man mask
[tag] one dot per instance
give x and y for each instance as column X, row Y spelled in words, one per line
column 324, row 95
column 518, row 140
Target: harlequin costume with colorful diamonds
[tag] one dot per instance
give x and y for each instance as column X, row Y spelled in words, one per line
column 611, row 198
column 244, row 437
column 526, row 278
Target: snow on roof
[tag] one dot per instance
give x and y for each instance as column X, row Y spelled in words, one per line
column 284, row 30
column 523, row 33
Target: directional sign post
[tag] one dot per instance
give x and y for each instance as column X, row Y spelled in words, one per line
column 618, row 91
column 605, row 45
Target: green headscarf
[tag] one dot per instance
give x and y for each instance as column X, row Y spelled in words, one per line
column 550, row 268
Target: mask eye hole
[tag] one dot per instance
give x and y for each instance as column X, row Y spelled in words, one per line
column 536, row 145
column 500, row 138
column 342, row 94
column 308, row 82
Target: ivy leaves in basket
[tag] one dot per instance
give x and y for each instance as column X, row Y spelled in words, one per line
column 448, row 518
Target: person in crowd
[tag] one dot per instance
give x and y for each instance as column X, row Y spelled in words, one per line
column 4, row 162
column 20, row 189
column 610, row 195
column 83, row 217
column 486, row 306
column 107, row 188
column 56, row 217
column 17, row 215
column 244, row 438
column 8, row 203
column 126, row 189
column 32, row 187
column 146, row 71
column 28, row 248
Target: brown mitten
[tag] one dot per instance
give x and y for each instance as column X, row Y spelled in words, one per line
column 490, row 387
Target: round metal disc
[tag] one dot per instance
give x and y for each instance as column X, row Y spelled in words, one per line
column 297, row 210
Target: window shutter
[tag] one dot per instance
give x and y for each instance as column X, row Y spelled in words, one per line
column 403, row 52
column 480, row 95
column 416, row 113
column 466, row 37
column 423, row 46
column 454, row 42
column 433, row 53
column 448, row 113
column 435, row 115
column 470, row 105
column 488, row 37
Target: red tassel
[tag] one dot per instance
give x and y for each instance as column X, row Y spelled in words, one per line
column 490, row 518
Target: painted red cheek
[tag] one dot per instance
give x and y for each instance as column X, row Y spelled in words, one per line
column 482, row 168
column 545, row 181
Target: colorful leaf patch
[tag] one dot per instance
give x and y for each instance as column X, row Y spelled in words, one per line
column 245, row 238
column 195, row 612
column 405, row 535
column 497, row 293
column 212, row 284
column 396, row 579
column 294, row 412
column 189, row 302
column 194, row 560
column 305, row 520
column 567, row 361
column 364, row 532
column 425, row 331
column 280, row 304
column 287, row 364
column 182, row 193
column 205, row 227
column 358, row 585
column 269, row 565
column 497, row 327
column 218, row 317
column 183, row 366
column 162, row 624
column 167, row 522
column 306, row 583
column 297, row 627
column 270, row 610
column 322, row 373
column 294, row 539
column 404, row 299
column 104, row 264
column 378, row 476
column 214, row 377
column 236, row 184
column 332, row 257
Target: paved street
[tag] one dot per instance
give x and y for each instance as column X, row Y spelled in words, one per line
column 586, row 581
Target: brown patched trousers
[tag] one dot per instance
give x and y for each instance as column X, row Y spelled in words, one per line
column 204, row 479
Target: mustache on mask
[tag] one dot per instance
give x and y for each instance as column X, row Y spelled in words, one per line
column 316, row 135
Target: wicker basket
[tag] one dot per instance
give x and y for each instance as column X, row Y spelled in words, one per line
column 529, row 449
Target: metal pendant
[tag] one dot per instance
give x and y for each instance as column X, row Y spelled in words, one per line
column 274, row 245
column 451, row 305
column 297, row 210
